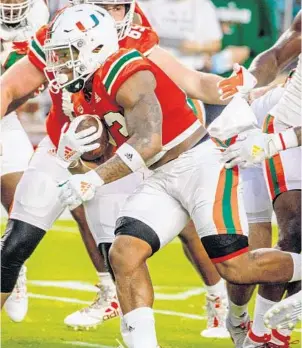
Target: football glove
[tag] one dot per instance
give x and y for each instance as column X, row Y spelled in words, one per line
column 72, row 145
column 251, row 148
column 79, row 188
column 241, row 81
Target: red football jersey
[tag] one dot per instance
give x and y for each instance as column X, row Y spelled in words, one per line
column 179, row 113
column 179, row 119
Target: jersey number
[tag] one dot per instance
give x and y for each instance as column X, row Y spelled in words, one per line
column 136, row 32
column 117, row 124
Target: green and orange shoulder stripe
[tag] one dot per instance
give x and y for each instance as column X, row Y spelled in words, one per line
column 36, row 54
column 119, row 67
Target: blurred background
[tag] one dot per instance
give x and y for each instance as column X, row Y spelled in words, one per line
column 206, row 35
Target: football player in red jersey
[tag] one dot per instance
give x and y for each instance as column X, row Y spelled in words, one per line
column 146, row 41
column 122, row 87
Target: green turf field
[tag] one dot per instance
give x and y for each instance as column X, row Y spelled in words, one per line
column 62, row 261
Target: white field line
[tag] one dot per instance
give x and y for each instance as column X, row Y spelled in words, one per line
column 75, row 300
column 86, row 344
column 81, row 286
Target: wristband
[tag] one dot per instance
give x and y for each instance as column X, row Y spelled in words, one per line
column 286, row 140
column 289, row 138
column 93, row 178
column 131, row 157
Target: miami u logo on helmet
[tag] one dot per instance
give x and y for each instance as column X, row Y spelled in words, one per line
column 82, row 27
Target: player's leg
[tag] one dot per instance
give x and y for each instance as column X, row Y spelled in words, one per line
column 259, row 211
column 283, row 174
column 258, row 208
column 216, row 294
column 16, row 153
column 36, row 206
column 97, row 228
column 148, row 221
column 223, row 235
column 94, row 253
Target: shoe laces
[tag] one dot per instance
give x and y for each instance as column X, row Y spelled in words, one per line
column 216, row 310
column 103, row 298
column 247, row 325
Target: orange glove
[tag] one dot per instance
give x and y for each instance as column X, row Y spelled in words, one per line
column 241, row 81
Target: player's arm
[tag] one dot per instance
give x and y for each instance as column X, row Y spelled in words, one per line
column 197, row 85
column 18, row 83
column 266, row 66
column 143, row 116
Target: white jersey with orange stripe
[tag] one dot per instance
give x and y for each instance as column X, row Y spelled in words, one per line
column 288, row 109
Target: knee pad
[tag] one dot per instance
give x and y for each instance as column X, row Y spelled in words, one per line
column 36, row 200
column 223, row 247
column 132, row 227
column 17, row 244
column 104, row 250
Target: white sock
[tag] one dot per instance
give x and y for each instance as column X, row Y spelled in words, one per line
column 105, row 279
column 297, row 274
column 237, row 313
column 141, row 325
column 125, row 333
column 217, row 289
column 261, row 307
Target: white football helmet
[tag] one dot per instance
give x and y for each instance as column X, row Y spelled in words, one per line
column 14, row 13
column 124, row 26
column 80, row 39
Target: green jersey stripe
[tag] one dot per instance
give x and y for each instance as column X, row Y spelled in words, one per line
column 117, row 68
column 226, row 203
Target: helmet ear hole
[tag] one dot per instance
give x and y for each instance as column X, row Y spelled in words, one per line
column 97, row 49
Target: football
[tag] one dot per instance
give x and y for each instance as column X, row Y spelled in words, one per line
column 88, row 122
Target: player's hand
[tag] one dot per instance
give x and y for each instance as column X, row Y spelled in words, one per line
column 72, row 145
column 251, row 148
column 79, row 188
column 241, row 81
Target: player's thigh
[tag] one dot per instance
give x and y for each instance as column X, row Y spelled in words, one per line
column 257, row 203
column 282, row 171
column 102, row 211
column 152, row 207
column 36, row 199
column 213, row 197
column 16, row 147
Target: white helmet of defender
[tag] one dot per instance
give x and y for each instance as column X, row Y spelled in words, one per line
column 124, row 26
column 80, row 39
column 14, row 12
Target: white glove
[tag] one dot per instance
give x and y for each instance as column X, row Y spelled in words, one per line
column 251, row 148
column 79, row 188
column 241, row 81
column 72, row 145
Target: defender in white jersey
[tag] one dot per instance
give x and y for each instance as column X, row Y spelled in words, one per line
column 18, row 23
column 283, row 170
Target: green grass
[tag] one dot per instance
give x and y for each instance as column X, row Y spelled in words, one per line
column 61, row 257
